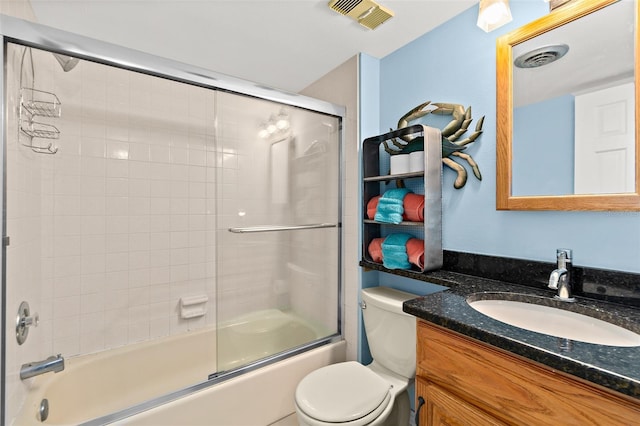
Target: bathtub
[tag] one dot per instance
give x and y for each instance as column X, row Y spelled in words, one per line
column 174, row 371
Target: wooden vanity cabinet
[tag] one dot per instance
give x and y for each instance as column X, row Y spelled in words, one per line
column 467, row 382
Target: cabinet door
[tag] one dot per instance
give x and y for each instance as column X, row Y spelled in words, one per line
column 444, row 409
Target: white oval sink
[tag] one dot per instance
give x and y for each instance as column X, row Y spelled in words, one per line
column 556, row 322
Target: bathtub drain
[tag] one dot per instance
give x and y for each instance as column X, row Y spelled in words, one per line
column 43, row 413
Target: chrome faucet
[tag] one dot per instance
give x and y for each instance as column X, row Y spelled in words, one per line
column 54, row 363
column 560, row 278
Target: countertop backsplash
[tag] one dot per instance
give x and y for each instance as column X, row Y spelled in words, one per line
column 606, row 285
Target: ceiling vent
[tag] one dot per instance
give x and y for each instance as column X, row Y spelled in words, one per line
column 541, row 56
column 367, row 13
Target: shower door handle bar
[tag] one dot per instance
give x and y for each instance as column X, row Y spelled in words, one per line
column 273, row 228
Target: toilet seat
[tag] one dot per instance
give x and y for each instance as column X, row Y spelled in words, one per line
column 346, row 393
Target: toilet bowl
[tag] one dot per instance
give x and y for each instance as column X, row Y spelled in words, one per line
column 352, row 394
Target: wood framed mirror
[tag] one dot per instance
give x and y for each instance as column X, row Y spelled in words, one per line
column 567, row 114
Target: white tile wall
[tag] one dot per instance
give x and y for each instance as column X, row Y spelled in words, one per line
column 128, row 192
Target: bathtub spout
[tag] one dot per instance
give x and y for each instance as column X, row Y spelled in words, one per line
column 54, row 363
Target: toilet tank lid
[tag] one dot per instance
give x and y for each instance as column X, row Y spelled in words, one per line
column 387, row 298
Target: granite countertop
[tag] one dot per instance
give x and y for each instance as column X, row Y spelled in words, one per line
column 616, row 368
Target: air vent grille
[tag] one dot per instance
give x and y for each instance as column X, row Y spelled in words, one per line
column 367, row 13
column 541, row 56
column 344, row 6
column 540, row 60
column 375, row 18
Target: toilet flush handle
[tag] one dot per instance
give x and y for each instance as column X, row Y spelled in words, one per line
column 363, row 305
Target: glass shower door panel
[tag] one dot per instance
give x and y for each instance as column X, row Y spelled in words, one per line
column 278, row 210
column 109, row 228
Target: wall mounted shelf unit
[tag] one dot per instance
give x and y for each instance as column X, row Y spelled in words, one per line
column 376, row 180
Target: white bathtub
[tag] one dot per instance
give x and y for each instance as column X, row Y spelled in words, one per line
column 100, row 384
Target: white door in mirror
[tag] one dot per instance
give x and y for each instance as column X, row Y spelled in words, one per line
column 605, row 141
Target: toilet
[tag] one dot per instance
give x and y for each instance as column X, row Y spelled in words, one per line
column 351, row 394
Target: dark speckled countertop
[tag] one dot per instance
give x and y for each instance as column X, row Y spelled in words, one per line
column 616, row 368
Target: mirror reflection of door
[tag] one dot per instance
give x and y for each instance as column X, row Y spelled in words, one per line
column 604, row 143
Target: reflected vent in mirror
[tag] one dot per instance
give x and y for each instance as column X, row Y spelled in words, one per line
column 541, row 56
column 367, row 13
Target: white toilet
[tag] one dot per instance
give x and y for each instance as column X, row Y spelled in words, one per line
column 351, row 394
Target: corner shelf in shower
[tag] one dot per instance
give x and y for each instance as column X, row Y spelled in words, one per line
column 373, row 184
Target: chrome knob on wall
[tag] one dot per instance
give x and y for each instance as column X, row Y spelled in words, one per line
column 24, row 320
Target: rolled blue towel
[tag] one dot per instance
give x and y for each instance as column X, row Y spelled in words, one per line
column 396, row 193
column 391, row 206
column 389, row 211
column 394, row 251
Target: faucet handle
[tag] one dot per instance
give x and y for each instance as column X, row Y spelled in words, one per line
column 566, row 252
column 24, row 320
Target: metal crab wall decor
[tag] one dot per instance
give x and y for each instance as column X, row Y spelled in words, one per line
column 451, row 146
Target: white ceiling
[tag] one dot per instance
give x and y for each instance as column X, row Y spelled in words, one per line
column 285, row 44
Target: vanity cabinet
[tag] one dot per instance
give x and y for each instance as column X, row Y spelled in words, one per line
column 427, row 182
column 467, row 382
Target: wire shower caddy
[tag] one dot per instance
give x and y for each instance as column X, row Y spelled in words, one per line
column 37, row 103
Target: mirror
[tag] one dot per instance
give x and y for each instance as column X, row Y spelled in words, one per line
column 567, row 122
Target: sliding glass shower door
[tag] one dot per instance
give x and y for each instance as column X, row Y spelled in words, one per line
column 145, row 211
column 277, row 228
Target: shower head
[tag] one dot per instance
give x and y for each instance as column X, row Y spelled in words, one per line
column 66, row 62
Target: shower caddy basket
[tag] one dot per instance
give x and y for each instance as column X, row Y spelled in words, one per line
column 37, row 103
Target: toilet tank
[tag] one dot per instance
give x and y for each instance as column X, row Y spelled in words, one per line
column 390, row 331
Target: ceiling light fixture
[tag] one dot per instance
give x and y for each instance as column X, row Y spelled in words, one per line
column 493, row 14
column 277, row 125
column 553, row 4
column 282, row 121
column 271, row 126
column 263, row 133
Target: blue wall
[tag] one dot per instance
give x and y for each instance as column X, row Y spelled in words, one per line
column 543, row 159
column 456, row 63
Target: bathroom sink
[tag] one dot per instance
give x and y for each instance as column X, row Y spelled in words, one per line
column 532, row 313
